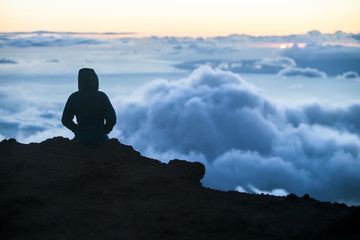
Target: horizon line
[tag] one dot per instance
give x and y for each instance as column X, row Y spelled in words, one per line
column 143, row 35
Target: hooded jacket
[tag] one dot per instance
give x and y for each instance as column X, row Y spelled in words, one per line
column 95, row 116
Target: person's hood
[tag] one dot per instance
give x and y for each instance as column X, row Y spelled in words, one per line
column 87, row 79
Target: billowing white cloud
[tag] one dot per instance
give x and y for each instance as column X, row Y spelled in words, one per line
column 305, row 72
column 246, row 141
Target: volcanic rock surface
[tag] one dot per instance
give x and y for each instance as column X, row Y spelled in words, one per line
column 58, row 189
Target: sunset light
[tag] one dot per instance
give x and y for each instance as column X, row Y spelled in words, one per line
column 202, row 18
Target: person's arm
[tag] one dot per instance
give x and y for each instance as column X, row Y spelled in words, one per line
column 110, row 116
column 68, row 116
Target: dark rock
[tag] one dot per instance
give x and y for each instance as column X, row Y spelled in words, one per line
column 59, row 189
column 306, row 196
column 292, row 198
column 188, row 170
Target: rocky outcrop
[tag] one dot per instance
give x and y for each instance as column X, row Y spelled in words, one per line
column 58, row 189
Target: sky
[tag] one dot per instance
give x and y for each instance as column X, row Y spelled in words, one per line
column 264, row 93
column 200, row 18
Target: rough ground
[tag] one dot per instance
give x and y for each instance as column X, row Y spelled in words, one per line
column 58, row 189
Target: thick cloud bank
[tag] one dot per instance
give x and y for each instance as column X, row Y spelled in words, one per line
column 246, row 141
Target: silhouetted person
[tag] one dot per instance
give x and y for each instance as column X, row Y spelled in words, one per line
column 94, row 113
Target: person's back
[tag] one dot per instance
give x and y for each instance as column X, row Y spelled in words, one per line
column 94, row 113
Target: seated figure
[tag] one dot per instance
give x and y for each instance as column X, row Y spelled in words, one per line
column 95, row 116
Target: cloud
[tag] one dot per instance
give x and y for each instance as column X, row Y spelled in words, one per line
column 339, row 118
column 27, row 117
column 275, row 192
column 356, row 36
column 305, row 72
column 2, row 137
column 7, row 61
column 333, row 60
column 311, row 37
column 53, row 61
column 47, row 41
column 349, row 75
column 246, row 141
column 200, row 47
column 282, row 62
column 265, row 66
column 11, row 34
column 283, row 66
column 210, row 49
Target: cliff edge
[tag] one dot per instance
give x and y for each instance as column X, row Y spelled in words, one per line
column 58, row 189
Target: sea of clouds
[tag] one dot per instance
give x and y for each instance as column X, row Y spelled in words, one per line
column 247, row 141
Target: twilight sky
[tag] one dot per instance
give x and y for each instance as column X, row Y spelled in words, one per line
column 200, row 18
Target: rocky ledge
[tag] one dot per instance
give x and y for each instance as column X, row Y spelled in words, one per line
column 58, row 189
